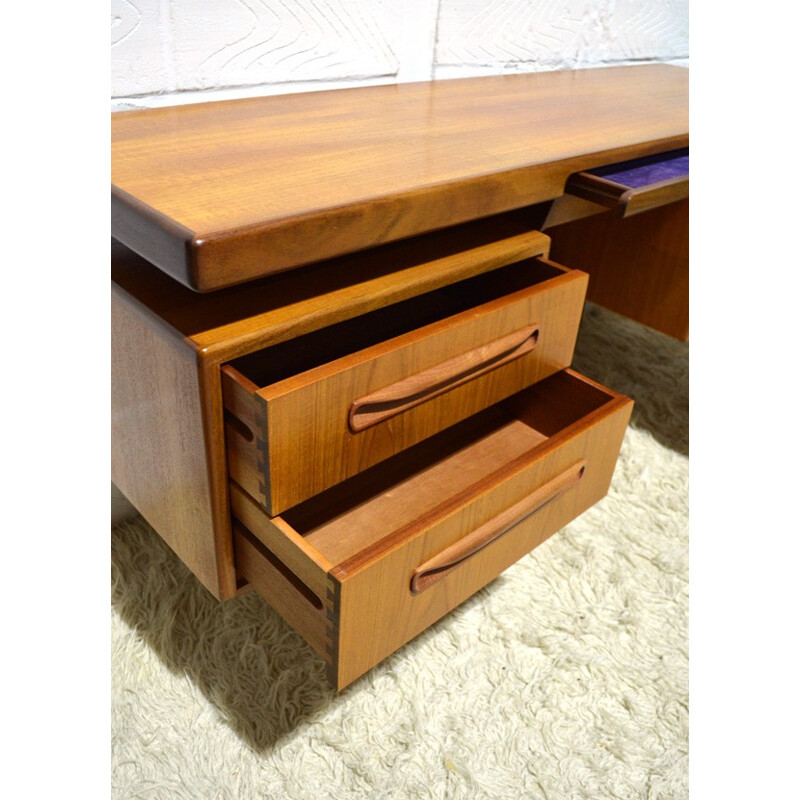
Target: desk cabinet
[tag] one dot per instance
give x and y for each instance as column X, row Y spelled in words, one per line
column 340, row 345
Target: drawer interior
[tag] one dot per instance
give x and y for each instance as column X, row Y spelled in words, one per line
column 640, row 172
column 320, row 347
column 406, row 492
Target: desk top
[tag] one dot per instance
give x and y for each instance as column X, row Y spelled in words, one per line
column 220, row 193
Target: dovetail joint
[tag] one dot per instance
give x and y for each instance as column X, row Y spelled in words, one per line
column 332, row 609
column 262, row 448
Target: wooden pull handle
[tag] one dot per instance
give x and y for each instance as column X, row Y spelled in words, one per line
column 445, row 562
column 416, row 389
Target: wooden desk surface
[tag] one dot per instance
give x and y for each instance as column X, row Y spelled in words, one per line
column 220, row 193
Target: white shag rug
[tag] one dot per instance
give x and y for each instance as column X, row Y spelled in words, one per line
column 567, row 677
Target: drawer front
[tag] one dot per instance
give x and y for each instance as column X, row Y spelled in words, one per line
column 403, row 544
column 311, row 431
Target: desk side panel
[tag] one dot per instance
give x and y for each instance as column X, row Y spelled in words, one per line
column 638, row 266
column 158, row 452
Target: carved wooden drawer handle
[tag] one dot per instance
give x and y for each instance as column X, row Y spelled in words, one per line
column 442, row 564
column 416, row 389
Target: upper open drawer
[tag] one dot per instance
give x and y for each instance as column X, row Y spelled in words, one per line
column 310, row 412
column 634, row 186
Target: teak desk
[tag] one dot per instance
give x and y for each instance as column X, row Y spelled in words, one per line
column 340, row 350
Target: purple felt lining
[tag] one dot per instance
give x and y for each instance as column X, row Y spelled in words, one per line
column 644, row 171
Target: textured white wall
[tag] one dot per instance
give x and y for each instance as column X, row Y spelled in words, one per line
column 160, row 48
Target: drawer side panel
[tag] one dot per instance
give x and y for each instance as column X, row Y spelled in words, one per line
column 304, row 611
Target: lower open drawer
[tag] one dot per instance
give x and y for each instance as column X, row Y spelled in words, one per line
column 365, row 566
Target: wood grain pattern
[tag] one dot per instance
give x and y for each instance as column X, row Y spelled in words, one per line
column 411, row 491
column 268, row 184
column 430, row 383
column 308, row 564
column 638, row 267
column 243, row 418
column 566, row 208
column 635, row 201
column 229, row 323
column 309, row 412
column 159, row 456
column 304, row 612
column 442, row 564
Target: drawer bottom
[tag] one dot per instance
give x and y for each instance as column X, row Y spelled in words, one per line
column 367, row 565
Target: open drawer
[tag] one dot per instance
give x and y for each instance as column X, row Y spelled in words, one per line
column 311, row 412
column 367, row 565
column 634, row 186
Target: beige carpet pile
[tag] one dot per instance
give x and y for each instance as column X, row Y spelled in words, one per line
column 567, row 677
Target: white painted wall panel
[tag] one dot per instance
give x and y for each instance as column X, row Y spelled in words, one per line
column 559, row 34
column 139, row 50
column 652, row 29
column 172, row 51
column 250, row 42
column 418, row 40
